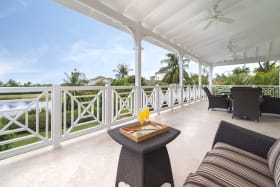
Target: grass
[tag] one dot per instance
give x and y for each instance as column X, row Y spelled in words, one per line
column 22, row 96
column 28, row 141
column 82, row 127
column 35, row 139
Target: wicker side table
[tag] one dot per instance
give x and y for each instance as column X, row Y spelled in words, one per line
column 144, row 164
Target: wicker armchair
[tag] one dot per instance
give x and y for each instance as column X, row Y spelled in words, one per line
column 216, row 101
column 246, row 102
column 270, row 105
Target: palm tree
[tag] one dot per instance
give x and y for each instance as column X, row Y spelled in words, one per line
column 172, row 68
column 122, row 71
column 239, row 70
column 266, row 66
column 75, row 78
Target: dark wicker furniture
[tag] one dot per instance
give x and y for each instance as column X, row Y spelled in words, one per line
column 239, row 157
column 246, row 102
column 270, row 105
column 216, row 101
column 144, row 164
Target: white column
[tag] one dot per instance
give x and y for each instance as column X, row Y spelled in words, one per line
column 181, row 76
column 138, row 50
column 199, row 79
column 108, row 106
column 56, row 116
column 199, row 74
column 210, row 77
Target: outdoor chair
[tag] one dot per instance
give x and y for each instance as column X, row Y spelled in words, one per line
column 216, row 101
column 246, row 102
column 270, row 105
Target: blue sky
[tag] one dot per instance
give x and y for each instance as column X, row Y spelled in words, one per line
column 40, row 40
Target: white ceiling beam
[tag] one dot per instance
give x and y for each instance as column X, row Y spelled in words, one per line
column 108, row 11
column 171, row 15
column 131, row 3
column 151, row 9
column 249, row 60
column 187, row 24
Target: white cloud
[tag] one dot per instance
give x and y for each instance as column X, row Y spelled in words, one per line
column 85, row 51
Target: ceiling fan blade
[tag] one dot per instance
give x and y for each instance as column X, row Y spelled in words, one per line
column 226, row 20
column 207, row 25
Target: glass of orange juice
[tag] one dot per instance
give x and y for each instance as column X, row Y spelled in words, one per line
column 147, row 113
column 141, row 116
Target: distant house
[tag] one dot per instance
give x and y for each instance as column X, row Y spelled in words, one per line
column 100, row 80
column 160, row 74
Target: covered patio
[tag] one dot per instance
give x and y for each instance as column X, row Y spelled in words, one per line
column 92, row 160
column 212, row 33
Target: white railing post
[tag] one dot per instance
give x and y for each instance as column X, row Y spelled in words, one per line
column 56, row 116
column 182, row 95
column 157, row 102
column 171, row 96
column 108, row 106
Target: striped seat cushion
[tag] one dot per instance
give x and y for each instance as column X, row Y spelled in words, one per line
column 195, row 180
column 277, row 172
column 273, row 158
column 226, row 165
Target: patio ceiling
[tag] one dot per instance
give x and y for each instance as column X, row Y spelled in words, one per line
column 241, row 31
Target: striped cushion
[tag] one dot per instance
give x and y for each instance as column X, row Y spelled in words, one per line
column 226, row 166
column 277, row 172
column 195, row 180
column 227, row 172
column 225, row 146
column 272, row 155
column 253, row 164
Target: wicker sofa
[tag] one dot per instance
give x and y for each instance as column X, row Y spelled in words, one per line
column 270, row 105
column 239, row 157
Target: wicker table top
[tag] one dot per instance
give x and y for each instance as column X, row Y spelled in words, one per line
column 146, row 146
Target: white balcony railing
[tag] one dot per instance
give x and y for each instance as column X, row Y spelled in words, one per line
column 31, row 118
column 270, row 90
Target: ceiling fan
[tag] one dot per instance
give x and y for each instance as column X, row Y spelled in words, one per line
column 216, row 15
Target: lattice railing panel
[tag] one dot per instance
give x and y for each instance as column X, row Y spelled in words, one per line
column 164, row 97
column 176, row 95
column 24, row 122
column 149, row 98
column 82, row 109
column 123, row 105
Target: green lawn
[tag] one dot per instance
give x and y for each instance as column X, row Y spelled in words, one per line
column 35, row 139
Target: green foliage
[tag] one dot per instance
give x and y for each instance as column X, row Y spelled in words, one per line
column 172, row 68
column 75, row 78
column 266, row 74
column 237, row 79
column 6, row 137
column 266, row 78
column 122, row 71
column 266, row 67
column 193, row 80
column 12, row 83
column 243, row 70
column 127, row 81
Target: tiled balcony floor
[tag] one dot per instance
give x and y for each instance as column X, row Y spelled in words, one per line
column 92, row 160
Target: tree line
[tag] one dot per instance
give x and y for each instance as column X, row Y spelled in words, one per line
column 267, row 73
